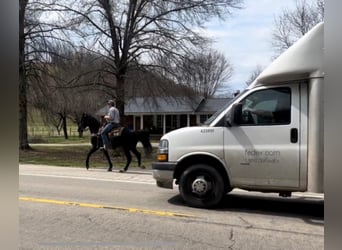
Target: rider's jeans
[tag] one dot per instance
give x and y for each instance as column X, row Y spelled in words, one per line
column 106, row 130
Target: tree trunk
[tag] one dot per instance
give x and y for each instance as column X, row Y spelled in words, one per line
column 120, row 96
column 23, row 135
column 64, row 124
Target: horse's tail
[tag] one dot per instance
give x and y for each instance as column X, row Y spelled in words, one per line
column 144, row 137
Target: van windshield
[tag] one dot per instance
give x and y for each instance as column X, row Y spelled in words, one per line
column 217, row 113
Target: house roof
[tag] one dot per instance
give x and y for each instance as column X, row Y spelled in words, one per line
column 170, row 105
column 162, row 105
column 211, row 105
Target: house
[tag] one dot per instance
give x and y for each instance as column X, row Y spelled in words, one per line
column 163, row 114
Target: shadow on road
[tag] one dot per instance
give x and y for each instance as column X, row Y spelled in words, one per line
column 309, row 209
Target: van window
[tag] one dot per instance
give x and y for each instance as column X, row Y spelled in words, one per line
column 221, row 122
column 267, row 107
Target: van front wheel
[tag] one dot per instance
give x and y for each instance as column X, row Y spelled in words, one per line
column 201, row 186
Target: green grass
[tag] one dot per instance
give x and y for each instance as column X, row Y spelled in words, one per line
column 59, row 139
column 75, row 156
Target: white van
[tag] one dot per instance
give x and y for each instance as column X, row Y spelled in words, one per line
column 268, row 139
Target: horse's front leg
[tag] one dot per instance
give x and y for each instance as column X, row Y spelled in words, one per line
column 92, row 150
column 105, row 152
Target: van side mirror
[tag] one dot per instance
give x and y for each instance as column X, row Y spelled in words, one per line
column 234, row 117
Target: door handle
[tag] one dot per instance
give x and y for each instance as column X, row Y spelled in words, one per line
column 294, row 135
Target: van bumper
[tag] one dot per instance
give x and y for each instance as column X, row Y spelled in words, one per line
column 163, row 173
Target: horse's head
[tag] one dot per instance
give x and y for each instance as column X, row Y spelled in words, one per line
column 88, row 121
column 82, row 123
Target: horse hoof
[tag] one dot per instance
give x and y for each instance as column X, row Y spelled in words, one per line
column 109, row 169
column 122, row 170
column 142, row 167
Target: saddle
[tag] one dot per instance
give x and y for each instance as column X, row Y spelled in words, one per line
column 116, row 132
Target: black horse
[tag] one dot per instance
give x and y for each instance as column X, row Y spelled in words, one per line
column 127, row 140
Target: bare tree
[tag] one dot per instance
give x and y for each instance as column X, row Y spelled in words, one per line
column 151, row 84
column 132, row 33
column 255, row 73
column 23, row 135
column 204, row 72
column 293, row 24
column 65, row 90
column 35, row 39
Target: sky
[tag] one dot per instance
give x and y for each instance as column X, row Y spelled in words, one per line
column 245, row 38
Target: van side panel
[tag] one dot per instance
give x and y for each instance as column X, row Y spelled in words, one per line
column 303, row 136
column 260, row 154
column 316, row 136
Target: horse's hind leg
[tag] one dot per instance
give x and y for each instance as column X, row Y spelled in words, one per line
column 105, row 152
column 128, row 160
column 138, row 155
column 92, row 150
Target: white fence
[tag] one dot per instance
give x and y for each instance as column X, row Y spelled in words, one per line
column 45, row 131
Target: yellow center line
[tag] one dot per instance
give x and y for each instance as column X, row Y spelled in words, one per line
column 131, row 210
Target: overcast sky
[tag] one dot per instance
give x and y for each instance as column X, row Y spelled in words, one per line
column 245, row 38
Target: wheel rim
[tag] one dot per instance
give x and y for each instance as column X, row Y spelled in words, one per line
column 200, row 186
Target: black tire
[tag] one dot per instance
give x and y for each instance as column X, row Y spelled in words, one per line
column 201, row 186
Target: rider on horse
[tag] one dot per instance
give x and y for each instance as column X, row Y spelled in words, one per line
column 113, row 121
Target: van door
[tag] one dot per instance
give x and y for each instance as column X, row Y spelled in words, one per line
column 263, row 151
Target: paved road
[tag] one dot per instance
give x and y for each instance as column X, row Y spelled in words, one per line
column 143, row 176
column 72, row 208
column 138, row 176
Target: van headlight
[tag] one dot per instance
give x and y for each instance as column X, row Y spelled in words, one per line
column 163, row 151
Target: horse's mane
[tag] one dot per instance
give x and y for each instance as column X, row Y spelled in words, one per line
column 92, row 117
column 93, row 123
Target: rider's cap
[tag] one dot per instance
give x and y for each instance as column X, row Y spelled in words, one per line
column 110, row 102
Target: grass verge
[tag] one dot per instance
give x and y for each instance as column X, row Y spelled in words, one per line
column 59, row 139
column 75, row 156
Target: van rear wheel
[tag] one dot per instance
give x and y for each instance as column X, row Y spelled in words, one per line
column 201, row 186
